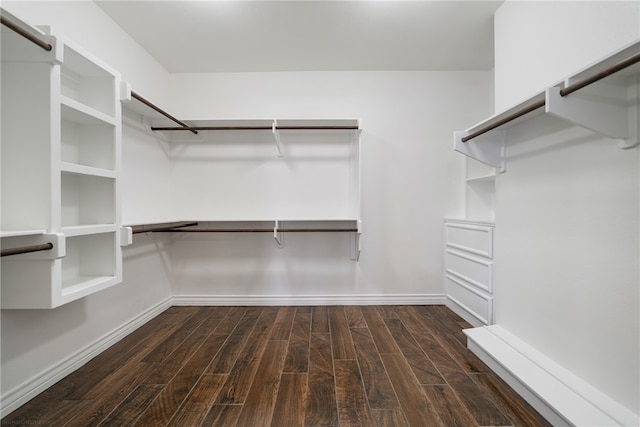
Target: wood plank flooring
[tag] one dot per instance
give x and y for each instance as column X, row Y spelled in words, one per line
column 285, row 367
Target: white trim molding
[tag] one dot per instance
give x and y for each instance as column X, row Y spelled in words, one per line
column 558, row 394
column 288, row 300
column 18, row 396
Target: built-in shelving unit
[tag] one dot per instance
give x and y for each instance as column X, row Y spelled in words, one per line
column 265, row 175
column 603, row 98
column 61, row 126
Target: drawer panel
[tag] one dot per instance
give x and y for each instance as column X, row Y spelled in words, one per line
column 477, row 239
column 475, row 270
column 476, row 303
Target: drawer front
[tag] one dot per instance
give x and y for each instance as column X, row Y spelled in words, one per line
column 477, row 271
column 477, row 239
column 474, row 302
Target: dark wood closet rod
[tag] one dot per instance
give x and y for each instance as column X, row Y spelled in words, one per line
column 563, row 92
column 27, row 35
column 162, row 228
column 505, row 120
column 256, row 128
column 601, row 75
column 26, row 249
column 261, row 230
column 164, row 113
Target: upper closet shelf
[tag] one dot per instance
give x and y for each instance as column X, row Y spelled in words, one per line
column 603, row 97
column 159, row 120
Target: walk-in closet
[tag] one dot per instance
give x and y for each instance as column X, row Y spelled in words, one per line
column 320, row 213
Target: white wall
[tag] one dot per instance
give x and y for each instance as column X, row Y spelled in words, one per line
column 539, row 43
column 411, row 180
column 40, row 345
column 567, row 209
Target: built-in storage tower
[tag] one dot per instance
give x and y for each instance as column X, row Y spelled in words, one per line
column 61, row 136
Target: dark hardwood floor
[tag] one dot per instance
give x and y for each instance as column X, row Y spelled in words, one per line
column 285, row 366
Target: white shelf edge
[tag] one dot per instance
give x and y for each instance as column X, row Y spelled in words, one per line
column 85, row 230
column 87, row 170
column 86, row 110
column 19, row 233
column 482, row 178
column 85, row 284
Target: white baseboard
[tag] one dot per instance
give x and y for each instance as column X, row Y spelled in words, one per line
column 559, row 395
column 288, row 300
column 21, row 394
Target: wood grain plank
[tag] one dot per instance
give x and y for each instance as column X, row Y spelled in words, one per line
column 184, row 418
column 449, row 408
column 445, row 331
column 261, row 399
column 483, row 410
column 414, row 321
column 112, row 395
column 171, row 365
column 283, row 324
column 228, row 354
column 321, row 408
column 511, row 404
column 290, row 403
column 387, row 311
column 389, row 418
column 438, row 354
column 355, row 417
column 379, row 331
column 241, row 375
column 131, row 407
column 163, row 408
column 297, row 359
column 354, row 316
column 174, row 340
column 117, row 354
column 204, row 393
column 48, row 401
column 349, row 389
column 222, row 415
column 377, row 385
column 340, row 336
column 233, row 318
column 319, row 320
column 422, row 367
column 417, row 408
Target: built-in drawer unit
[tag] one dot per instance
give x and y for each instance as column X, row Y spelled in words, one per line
column 469, row 270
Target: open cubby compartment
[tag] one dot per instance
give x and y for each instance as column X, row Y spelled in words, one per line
column 87, row 140
column 87, row 199
column 92, row 262
column 478, row 171
column 88, row 82
column 481, row 199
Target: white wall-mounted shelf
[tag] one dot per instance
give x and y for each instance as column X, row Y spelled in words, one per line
column 608, row 106
column 278, row 228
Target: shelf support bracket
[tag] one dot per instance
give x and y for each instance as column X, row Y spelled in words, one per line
column 278, row 236
column 355, row 243
column 606, row 108
column 489, row 148
column 276, row 135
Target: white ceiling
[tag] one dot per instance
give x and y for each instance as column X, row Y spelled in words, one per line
column 302, row 35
